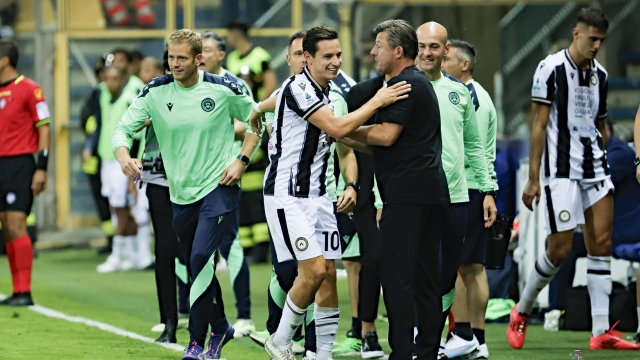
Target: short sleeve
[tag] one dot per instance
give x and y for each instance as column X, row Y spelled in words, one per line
column 38, row 107
column 240, row 104
column 544, row 83
column 397, row 112
column 302, row 99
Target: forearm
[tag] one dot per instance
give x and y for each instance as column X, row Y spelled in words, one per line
column 44, row 133
column 356, row 145
column 239, row 129
column 375, row 135
column 345, row 125
column 536, row 146
column 348, row 163
column 122, row 154
column 604, row 134
column 249, row 145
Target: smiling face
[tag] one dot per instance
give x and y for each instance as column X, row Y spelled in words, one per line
column 325, row 64
column 432, row 47
column 295, row 57
column 183, row 65
column 211, row 56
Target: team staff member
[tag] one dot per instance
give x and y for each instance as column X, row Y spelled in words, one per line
column 213, row 52
column 569, row 97
column 24, row 130
column 407, row 152
column 469, row 309
column 190, row 111
column 298, row 210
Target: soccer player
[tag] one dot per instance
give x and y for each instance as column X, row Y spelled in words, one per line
column 299, row 212
column 469, row 309
column 569, row 106
column 191, row 112
column 407, row 152
column 460, row 142
column 24, row 131
column 213, row 52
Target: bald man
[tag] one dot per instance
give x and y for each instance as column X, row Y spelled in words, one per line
column 460, row 141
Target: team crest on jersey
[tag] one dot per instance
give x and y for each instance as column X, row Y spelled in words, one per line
column 564, row 216
column 594, row 79
column 38, row 94
column 208, row 105
column 454, row 98
column 302, row 244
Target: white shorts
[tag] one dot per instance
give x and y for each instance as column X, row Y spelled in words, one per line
column 567, row 200
column 303, row 228
column 115, row 184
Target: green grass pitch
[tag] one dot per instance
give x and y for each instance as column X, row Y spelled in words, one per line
column 66, row 281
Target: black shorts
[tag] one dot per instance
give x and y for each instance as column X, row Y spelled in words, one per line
column 475, row 241
column 16, row 174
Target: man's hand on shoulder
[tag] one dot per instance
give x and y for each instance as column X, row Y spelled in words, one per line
column 387, row 95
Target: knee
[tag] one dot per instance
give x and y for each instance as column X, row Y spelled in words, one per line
column 15, row 228
column 199, row 260
column 559, row 255
column 315, row 272
column 471, row 271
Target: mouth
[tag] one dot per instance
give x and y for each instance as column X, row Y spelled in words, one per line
column 333, row 70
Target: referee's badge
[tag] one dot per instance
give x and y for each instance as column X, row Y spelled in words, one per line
column 302, row 244
column 454, row 98
column 208, row 105
column 11, row 198
column 564, row 216
column 594, row 79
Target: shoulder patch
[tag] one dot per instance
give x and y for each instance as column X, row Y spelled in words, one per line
column 224, row 81
column 452, row 78
column 156, row 82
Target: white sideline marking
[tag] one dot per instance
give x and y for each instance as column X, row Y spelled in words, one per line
column 100, row 325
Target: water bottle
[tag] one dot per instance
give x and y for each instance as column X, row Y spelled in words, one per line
column 576, row 355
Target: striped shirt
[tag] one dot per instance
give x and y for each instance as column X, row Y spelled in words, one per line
column 298, row 150
column 578, row 99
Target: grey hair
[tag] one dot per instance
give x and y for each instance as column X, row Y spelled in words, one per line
column 466, row 51
column 400, row 33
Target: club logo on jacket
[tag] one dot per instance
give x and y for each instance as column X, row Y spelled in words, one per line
column 208, row 105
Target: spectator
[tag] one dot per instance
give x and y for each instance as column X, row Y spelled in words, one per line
column 250, row 62
column 136, row 59
column 8, row 13
column 150, row 68
column 119, row 12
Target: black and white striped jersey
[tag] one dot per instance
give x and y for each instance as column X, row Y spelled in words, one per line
column 298, row 150
column 578, row 99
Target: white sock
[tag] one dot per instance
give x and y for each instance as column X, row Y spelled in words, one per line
column 142, row 240
column 540, row 276
column 638, row 310
column 131, row 244
column 117, row 248
column 292, row 317
column 327, row 320
column 599, row 285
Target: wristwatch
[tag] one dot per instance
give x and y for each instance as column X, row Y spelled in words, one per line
column 636, row 161
column 245, row 159
column 492, row 193
column 354, row 185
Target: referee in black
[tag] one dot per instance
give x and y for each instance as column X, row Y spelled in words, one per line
column 407, row 149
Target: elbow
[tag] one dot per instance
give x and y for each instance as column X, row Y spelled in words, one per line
column 389, row 140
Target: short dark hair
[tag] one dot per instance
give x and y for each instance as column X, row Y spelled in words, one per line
column 240, row 26
column 400, row 33
column 467, row 50
column 10, row 49
column 297, row 35
column 315, row 35
column 136, row 55
column 222, row 44
column 593, row 17
column 123, row 51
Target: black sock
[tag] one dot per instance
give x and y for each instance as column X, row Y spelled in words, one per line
column 356, row 327
column 479, row 333
column 463, row 330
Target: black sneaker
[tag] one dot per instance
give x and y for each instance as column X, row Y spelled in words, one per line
column 371, row 347
column 19, row 299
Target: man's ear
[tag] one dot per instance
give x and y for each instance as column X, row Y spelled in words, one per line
column 222, row 54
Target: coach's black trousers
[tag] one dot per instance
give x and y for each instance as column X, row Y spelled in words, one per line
column 167, row 249
column 370, row 242
column 409, row 256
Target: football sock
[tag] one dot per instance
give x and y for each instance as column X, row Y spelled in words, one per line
column 479, row 333
column 599, row 285
column 463, row 330
column 356, row 327
column 539, row 277
column 131, row 244
column 23, row 260
column 11, row 256
column 326, row 328
column 292, row 318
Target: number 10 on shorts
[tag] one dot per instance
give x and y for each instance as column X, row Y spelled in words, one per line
column 333, row 240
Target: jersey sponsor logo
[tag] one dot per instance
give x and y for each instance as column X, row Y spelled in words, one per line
column 43, row 111
column 564, row 216
column 454, row 98
column 38, row 94
column 170, row 106
column 594, row 79
column 208, row 105
column 302, row 244
column 11, row 198
column 3, row 103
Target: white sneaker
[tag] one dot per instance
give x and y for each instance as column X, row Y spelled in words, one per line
column 112, row 264
column 483, row 352
column 243, row 327
column 309, row 355
column 551, row 320
column 277, row 353
column 457, row 347
column 125, row 265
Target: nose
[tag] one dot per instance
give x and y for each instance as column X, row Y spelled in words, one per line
column 597, row 44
